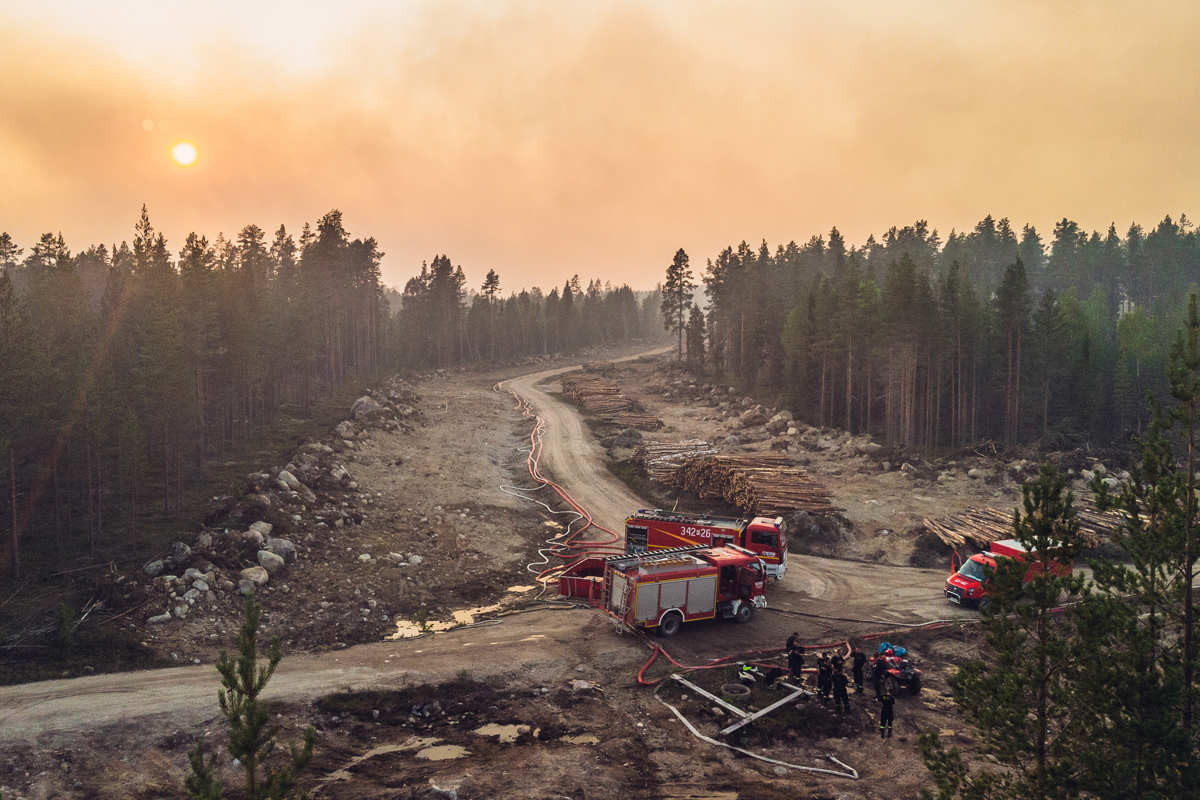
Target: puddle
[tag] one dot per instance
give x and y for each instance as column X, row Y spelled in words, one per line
column 407, row 629
column 344, row 773
column 507, row 733
column 443, row 752
column 585, row 738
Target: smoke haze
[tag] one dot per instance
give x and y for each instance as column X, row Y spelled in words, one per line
column 548, row 139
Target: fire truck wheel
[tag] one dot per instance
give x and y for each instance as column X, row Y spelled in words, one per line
column 670, row 625
column 744, row 613
column 983, row 604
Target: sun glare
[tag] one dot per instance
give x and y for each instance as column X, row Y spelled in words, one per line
column 184, row 154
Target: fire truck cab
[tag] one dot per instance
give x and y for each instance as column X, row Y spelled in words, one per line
column 765, row 537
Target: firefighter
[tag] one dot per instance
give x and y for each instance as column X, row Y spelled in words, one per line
column 840, row 695
column 877, row 669
column 793, row 642
column 824, row 676
column 795, row 659
column 859, row 659
column 836, row 661
column 886, row 715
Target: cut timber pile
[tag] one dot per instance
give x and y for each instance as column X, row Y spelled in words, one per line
column 764, row 484
column 662, row 459
column 626, row 419
column 981, row 527
column 595, row 394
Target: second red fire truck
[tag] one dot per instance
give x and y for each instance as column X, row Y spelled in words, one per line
column 647, row 531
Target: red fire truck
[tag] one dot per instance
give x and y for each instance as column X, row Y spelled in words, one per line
column 968, row 584
column 666, row 588
column 647, row 531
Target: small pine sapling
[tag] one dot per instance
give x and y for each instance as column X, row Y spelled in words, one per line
column 251, row 735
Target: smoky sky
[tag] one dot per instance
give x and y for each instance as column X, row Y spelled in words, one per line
column 544, row 140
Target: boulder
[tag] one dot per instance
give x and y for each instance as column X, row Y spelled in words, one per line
column 752, row 417
column 256, row 575
column 264, row 528
column 155, row 568
column 363, row 405
column 307, row 495
column 258, row 500
column 204, row 539
column 270, row 562
column 415, row 560
column 253, row 539
column 731, row 441
column 777, row 425
column 200, row 585
column 628, row 438
column 180, row 553
column 290, row 481
column 282, row 548
column 160, row 618
column 344, row 429
column 869, row 448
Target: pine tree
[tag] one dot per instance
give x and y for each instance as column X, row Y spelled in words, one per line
column 1021, row 697
column 677, row 297
column 17, row 367
column 1160, row 532
column 251, row 735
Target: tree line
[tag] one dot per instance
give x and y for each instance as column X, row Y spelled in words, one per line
column 986, row 335
column 442, row 323
column 126, row 370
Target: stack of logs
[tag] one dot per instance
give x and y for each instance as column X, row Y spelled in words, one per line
column 762, row 484
column 595, row 394
column 629, row 419
column 662, row 459
column 981, row 527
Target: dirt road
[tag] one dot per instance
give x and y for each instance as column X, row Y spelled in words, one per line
column 829, row 592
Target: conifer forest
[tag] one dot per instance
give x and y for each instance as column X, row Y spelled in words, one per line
column 931, row 343
column 127, row 371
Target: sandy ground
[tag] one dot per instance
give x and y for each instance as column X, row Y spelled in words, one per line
column 438, row 491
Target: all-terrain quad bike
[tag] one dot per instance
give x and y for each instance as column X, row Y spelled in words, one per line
column 899, row 673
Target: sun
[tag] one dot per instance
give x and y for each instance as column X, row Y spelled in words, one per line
column 184, row 154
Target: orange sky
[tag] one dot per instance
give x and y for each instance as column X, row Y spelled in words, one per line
column 549, row 139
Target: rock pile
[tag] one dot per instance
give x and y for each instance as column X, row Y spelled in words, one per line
column 243, row 547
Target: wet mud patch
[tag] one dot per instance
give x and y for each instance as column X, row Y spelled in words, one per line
column 451, row 735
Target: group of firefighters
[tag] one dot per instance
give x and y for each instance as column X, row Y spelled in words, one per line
column 831, row 680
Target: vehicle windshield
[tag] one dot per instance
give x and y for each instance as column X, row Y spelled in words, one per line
column 765, row 538
column 973, row 570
